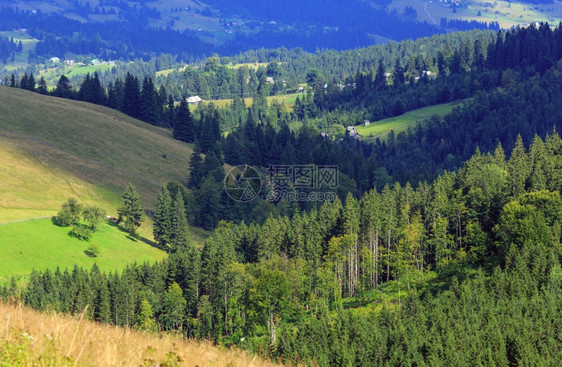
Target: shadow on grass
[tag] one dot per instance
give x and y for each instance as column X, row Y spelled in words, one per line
column 142, row 239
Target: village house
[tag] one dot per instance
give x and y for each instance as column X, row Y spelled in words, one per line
column 193, row 100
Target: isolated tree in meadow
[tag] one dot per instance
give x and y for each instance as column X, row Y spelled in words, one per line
column 162, row 217
column 69, row 213
column 130, row 211
column 93, row 215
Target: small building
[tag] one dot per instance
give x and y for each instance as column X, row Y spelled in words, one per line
column 270, row 80
column 69, row 62
column 366, row 122
column 324, row 135
column 111, row 63
column 353, row 132
column 194, row 100
column 54, row 59
column 301, row 90
column 95, row 62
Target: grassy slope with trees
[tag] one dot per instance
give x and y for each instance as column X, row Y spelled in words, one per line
column 38, row 244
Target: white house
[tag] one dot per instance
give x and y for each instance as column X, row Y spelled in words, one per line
column 193, row 100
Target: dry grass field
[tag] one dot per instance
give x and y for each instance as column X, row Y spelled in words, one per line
column 28, row 338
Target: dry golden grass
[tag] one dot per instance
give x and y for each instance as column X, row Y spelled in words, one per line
column 28, row 338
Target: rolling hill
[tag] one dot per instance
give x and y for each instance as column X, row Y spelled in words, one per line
column 53, row 148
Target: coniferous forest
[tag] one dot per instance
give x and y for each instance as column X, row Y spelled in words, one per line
column 475, row 256
column 442, row 245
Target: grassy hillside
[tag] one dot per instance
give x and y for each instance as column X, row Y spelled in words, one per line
column 288, row 100
column 69, row 148
column 506, row 13
column 39, row 244
column 401, row 123
column 28, row 338
column 31, row 188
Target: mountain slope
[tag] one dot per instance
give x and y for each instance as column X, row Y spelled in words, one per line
column 95, row 145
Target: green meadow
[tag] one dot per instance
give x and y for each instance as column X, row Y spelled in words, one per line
column 402, row 122
column 39, row 244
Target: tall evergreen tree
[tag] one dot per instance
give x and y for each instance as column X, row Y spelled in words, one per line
column 184, row 127
column 150, row 108
column 195, row 168
column 131, row 211
column 162, row 218
column 131, row 96
column 179, row 237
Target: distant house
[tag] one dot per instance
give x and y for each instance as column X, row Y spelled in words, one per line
column 95, row 62
column 112, row 63
column 69, row 62
column 193, row 100
column 54, row 59
column 429, row 74
column 353, row 132
column 301, row 90
column 366, row 122
column 386, row 75
column 324, row 135
column 270, row 79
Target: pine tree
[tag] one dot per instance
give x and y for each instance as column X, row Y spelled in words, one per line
column 131, row 211
column 195, row 168
column 131, row 96
column 169, row 113
column 149, row 106
column 517, row 168
column 184, row 128
column 179, row 237
column 162, row 218
column 102, row 306
column 42, row 88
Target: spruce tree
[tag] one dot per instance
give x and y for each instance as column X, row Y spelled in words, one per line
column 42, row 88
column 131, row 211
column 169, row 113
column 131, row 96
column 195, row 168
column 162, row 218
column 179, row 232
column 184, row 128
column 149, row 106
